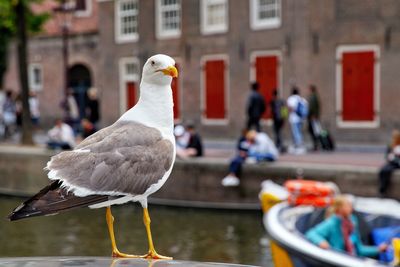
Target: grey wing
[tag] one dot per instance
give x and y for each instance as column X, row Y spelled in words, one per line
column 120, row 134
column 127, row 161
column 96, row 137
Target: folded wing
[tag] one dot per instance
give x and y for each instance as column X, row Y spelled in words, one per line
column 125, row 158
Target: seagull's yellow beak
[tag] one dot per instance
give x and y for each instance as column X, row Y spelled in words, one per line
column 171, row 71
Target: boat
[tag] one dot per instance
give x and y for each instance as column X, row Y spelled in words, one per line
column 286, row 225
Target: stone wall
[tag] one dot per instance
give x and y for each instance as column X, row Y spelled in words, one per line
column 195, row 181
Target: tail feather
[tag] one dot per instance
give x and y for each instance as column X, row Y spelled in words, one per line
column 51, row 200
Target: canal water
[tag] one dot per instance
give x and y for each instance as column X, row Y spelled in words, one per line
column 183, row 233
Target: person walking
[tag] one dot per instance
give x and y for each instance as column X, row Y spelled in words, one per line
column 313, row 115
column 279, row 114
column 34, row 108
column 298, row 109
column 71, row 110
column 2, row 101
column 18, row 111
column 9, row 114
column 93, row 112
column 255, row 107
column 392, row 163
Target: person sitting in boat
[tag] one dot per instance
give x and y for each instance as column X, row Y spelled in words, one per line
column 340, row 231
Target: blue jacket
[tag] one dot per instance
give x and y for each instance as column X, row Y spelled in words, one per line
column 330, row 230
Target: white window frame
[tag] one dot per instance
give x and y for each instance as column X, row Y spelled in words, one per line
column 87, row 12
column 162, row 34
column 339, row 89
column 262, row 53
column 213, row 29
column 124, row 78
column 260, row 24
column 204, row 119
column 32, row 85
column 119, row 37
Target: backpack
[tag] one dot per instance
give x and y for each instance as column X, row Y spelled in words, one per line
column 284, row 112
column 302, row 108
column 279, row 109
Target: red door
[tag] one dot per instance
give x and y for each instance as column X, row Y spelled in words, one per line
column 175, row 95
column 130, row 94
column 358, row 86
column 267, row 78
column 215, row 89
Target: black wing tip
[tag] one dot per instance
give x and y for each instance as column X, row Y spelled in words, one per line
column 54, row 200
column 24, row 211
column 16, row 213
column 19, row 213
column 12, row 217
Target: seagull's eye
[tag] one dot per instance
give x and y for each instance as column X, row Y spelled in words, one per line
column 153, row 62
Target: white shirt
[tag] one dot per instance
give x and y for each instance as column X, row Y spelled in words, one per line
column 2, row 100
column 292, row 103
column 62, row 134
column 73, row 107
column 34, row 107
column 183, row 140
column 263, row 145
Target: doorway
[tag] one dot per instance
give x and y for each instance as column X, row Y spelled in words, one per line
column 79, row 80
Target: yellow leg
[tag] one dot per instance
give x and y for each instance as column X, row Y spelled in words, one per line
column 152, row 252
column 115, row 251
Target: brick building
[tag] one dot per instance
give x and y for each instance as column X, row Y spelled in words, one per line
column 350, row 49
column 46, row 70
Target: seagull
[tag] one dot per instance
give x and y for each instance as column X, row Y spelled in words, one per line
column 127, row 161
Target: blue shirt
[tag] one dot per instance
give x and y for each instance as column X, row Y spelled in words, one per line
column 330, row 230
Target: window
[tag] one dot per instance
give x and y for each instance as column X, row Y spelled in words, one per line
column 126, row 17
column 80, row 5
column 265, row 14
column 129, row 78
column 214, row 16
column 35, row 77
column 168, row 18
column 83, row 8
column 131, row 70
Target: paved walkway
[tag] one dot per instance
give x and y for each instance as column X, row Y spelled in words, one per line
column 346, row 154
column 367, row 159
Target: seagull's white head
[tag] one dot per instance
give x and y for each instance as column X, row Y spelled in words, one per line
column 159, row 69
